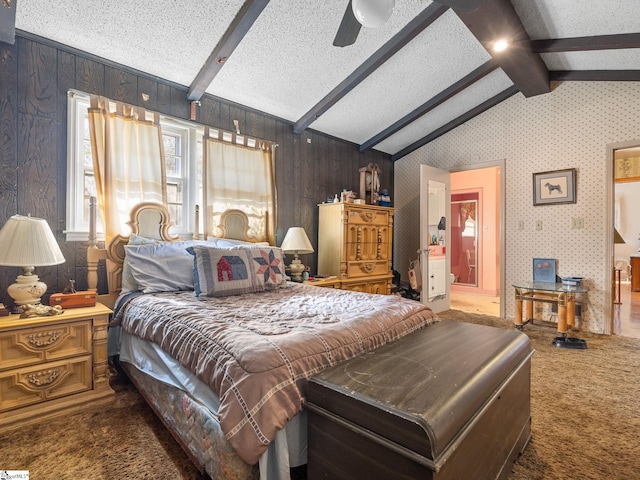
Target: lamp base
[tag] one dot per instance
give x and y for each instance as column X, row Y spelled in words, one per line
column 295, row 270
column 27, row 290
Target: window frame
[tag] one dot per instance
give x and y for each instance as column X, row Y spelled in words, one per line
column 190, row 133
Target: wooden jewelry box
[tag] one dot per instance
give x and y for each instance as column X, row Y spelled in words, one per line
column 73, row 300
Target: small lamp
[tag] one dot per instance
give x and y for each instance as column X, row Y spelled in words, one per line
column 296, row 241
column 28, row 242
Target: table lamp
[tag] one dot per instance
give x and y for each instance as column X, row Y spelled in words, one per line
column 296, row 241
column 617, row 238
column 28, row 242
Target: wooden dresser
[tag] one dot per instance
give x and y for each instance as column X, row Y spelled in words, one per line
column 51, row 366
column 355, row 244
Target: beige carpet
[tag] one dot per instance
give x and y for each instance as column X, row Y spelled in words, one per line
column 585, row 422
column 120, row 440
column 584, row 406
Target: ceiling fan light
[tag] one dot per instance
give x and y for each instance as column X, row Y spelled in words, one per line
column 500, row 45
column 372, row 13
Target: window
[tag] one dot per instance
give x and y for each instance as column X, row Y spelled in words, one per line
column 182, row 143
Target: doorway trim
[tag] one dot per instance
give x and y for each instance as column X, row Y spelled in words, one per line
column 609, row 246
column 503, row 184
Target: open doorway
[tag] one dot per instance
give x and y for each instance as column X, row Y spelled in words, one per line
column 477, row 217
column 464, row 237
column 626, row 254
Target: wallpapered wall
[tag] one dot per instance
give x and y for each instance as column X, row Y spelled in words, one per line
column 567, row 128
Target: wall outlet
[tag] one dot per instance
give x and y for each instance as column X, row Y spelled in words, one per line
column 538, row 224
column 577, row 223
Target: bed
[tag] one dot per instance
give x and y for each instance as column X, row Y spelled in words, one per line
column 225, row 364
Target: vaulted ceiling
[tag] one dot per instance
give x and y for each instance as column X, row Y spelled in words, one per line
column 425, row 71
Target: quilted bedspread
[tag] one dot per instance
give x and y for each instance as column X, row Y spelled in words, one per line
column 256, row 351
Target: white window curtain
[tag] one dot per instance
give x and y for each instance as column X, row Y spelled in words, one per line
column 128, row 161
column 242, row 177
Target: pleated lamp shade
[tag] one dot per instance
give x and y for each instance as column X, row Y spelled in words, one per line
column 296, row 242
column 28, row 242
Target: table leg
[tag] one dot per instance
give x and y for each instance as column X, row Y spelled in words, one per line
column 617, row 286
column 517, row 321
column 571, row 310
column 562, row 313
column 528, row 308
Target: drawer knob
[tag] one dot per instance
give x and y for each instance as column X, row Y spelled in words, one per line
column 368, row 267
column 44, row 377
column 367, row 216
column 43, row 339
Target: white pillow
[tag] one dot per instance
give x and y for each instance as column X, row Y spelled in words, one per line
column 128, row 283
column 230, row 242
column 162, row 267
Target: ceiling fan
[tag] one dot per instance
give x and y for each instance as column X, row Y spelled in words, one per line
column 373, row 13
column 370, row 13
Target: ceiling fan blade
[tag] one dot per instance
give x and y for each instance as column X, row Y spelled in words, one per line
column 348, row 29
column 464, row 5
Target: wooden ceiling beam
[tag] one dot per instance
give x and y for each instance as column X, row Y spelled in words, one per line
column 496, row 19
column 432, row 103
column 408, row 33
column 581, row 44
column 484, row 106
column 8, row 21
column 595, row 75
column 238, row 28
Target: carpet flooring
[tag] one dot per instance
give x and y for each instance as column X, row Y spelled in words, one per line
column 585, row 422
column 584, row 406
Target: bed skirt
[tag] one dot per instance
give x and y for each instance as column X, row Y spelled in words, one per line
column 194, row 428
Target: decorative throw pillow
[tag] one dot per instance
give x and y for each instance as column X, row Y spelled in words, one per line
column 162, row 266
column 233, row 271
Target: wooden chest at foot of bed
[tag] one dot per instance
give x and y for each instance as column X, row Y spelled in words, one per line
column 451, row 401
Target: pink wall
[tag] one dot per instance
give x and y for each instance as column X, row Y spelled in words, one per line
column 487, row 181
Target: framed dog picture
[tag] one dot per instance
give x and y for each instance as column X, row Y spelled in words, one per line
column 552, row 188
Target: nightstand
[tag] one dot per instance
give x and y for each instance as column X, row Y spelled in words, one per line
column 52, row 366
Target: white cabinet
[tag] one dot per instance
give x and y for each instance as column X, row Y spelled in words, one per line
column 437, row 276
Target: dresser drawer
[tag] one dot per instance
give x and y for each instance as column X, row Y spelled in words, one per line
column 30, row 346
column 379, row 286
column 358, row 215
column 366, row 269
column 366, row 251
column 40, row 383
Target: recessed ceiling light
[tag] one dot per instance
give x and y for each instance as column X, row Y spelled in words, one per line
column 500, row 45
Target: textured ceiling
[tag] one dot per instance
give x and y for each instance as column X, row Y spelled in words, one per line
column 286, row 64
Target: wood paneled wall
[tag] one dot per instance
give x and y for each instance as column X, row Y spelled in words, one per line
column 35, row 75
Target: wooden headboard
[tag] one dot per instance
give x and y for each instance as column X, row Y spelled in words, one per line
column 149, row 220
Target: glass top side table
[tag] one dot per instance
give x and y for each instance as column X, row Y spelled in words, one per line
column 527, row 293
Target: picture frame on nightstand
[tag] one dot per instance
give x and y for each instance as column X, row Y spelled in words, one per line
column 544, row 270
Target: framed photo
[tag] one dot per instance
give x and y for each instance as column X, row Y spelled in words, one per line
column 544, row 270
column 552, row 188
